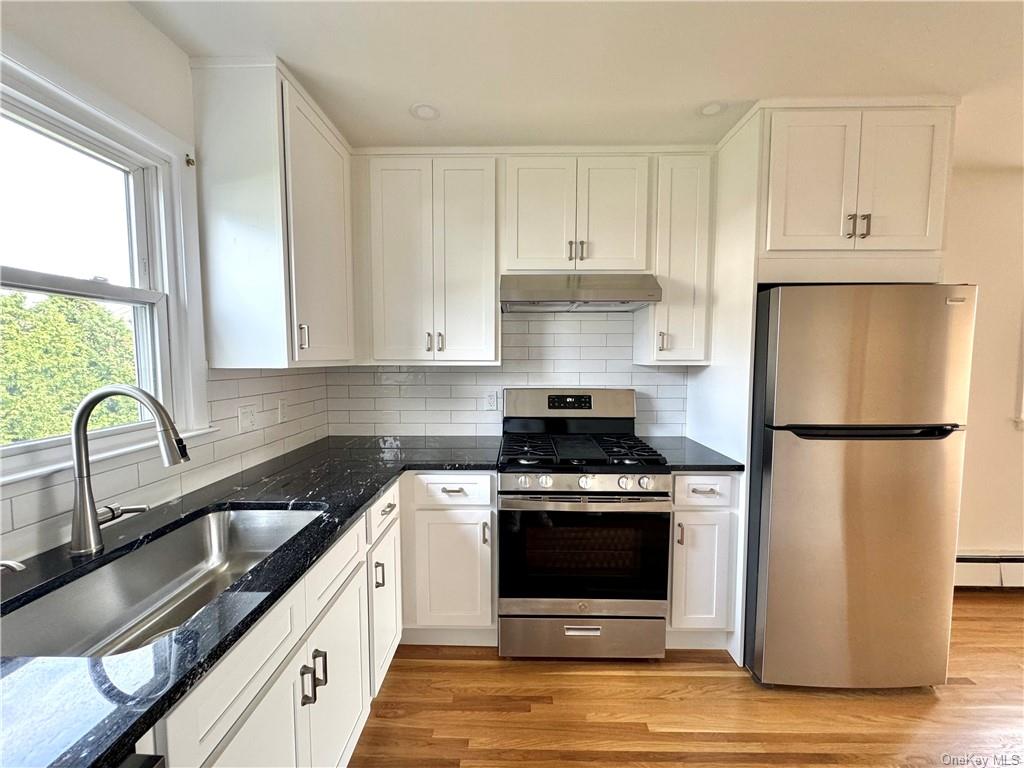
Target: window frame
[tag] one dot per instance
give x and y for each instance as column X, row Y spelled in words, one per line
column 164, row 256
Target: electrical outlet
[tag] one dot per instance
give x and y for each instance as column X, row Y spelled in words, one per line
column 246, row 418
column 492, row 401
column 282, row 410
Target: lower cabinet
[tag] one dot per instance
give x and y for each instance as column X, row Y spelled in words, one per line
column 275, row 734
column 451, row 551
column 313, row 712
column 700, row 569
column 385, row 589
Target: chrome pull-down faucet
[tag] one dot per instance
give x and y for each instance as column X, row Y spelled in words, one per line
column 85, row 518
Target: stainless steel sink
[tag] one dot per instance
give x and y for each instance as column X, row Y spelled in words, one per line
column 135, row 599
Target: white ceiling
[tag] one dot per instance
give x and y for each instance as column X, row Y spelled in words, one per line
column 615, row 73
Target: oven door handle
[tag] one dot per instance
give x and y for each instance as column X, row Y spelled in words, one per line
column 507, row 504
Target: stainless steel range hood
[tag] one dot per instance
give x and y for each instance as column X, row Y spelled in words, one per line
column 577, row 293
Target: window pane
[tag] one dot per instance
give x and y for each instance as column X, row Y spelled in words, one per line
column 54, row 350
column 62, row 211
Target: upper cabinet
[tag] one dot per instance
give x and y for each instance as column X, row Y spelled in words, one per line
column 586, row 213
column 273, row 179
column 842, row 180
column 433, row 259
column 675, row 330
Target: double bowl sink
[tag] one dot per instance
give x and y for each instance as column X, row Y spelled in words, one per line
column 149, row 592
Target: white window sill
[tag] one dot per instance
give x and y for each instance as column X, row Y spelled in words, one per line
column 53, row 467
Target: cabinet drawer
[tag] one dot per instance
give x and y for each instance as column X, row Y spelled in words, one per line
column 203, row 718
column 331, row 570
column 453, row 490
column 703, row 491
column 381, row 513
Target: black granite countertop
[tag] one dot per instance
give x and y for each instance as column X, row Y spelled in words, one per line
column 90, row 711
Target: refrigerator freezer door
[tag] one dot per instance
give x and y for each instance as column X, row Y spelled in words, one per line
column 869, row 354
column 855, row 583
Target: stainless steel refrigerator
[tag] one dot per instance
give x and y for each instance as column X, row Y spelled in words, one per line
column 860, row 410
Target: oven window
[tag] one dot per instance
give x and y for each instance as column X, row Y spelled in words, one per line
column 611, row 556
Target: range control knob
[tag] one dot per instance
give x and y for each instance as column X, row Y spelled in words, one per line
column 625, row 482
column 545, row 481
column 645, row 482
column 523, row 481
column 585, row 481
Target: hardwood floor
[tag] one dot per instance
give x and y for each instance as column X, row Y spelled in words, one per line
column 444, row 707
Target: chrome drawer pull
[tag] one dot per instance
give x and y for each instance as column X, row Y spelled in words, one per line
column 571, row 256
column 484, row 532
column 460, row 491
column 318, row 655
column 704, row 491
column 388, row 509
column 377, row 583
column 577, row 631
column 852, row 218
column 866, row 218
column 682, row 534
column 307, row 698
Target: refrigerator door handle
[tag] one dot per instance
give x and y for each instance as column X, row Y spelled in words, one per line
column 929, row 432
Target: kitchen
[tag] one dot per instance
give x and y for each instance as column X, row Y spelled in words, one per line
column 475, row 383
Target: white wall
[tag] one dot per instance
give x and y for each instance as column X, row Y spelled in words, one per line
column 985, row 245
column 109, row 47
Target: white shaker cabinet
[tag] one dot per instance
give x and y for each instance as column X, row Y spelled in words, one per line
column 402, row 258
column 385, row 577
column 675, row 330
column 858, row 180
column 452, row 576
column 433, row 259
column 586, row 213
column 700, row 569
column 273, row 182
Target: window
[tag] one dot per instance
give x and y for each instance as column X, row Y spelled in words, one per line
column 81, row 271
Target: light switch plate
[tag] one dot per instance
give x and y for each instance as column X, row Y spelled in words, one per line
column 246, row 418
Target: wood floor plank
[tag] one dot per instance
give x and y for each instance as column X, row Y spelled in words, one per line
column 457, row 707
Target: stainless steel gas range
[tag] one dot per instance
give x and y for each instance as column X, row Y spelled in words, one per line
column 584, row 516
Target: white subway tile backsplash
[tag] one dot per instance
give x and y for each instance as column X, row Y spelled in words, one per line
column 538, row 349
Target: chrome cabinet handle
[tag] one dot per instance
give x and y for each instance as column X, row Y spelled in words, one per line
column 483, row 531
column 388, row 509
column 303, row 336
column 704, row 491
column 317, row 656
column 430, row 342
column 580, row 631
column 307, row 698
column 571, row 255
column 440, row 342
column 866, row 218
column 662, row 344
column 460, row 491
column 378, row 583
column 852, row 218
column 682, row 534
column 581, row 243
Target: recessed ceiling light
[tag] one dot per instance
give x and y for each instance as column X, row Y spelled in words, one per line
column 712, row 108
column 424, row 112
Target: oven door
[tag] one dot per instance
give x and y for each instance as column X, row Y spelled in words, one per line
column 573, row 555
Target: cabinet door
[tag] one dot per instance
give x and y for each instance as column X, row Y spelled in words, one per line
column 611, row 213
column 338, row 650
column 401, row 248
column 681, row 318
column 453, row 567
column 318, row 235
column 464, row 286
column 276, row 732
column 541, row 212
column 904, row 157
column 385, row 577
column 812, row 179
column 700, row 570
